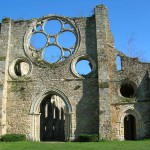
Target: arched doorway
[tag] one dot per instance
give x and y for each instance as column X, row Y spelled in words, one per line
column 135, row 117
column 52, row 119
column 129, row 127
column 42, row 105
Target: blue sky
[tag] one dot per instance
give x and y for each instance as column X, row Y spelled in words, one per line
column 129, row 19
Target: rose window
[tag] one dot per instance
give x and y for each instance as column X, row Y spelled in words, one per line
column 51, row 40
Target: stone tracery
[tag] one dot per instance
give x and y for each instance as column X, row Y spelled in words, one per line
column 51, row 40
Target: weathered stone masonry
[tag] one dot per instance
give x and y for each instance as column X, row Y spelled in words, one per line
column 106, row 101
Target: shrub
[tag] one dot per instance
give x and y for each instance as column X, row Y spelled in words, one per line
column 13, row 137
column 88, row 138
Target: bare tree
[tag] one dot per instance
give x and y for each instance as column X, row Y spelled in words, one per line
column 131, row 49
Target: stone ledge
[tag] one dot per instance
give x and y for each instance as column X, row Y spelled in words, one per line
column 104, row 85
column 21, row 80
column 121, row 103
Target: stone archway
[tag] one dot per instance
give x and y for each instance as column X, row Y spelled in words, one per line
column 135, row 123
column 36, row 114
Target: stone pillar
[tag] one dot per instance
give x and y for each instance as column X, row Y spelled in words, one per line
column 5, row 54
column 35, row 127
column 72, row 127
column 105, row 69
column 69, row 127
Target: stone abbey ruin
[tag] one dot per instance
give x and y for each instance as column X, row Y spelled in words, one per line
column 43, row 96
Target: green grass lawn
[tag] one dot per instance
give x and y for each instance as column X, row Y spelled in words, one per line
column 112, row 145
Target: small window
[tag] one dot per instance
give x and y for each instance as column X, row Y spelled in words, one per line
column 20, row 67
column 83, row 67
column 118, row 63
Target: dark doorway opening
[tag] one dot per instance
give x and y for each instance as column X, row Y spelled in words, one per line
column 129, row 127
column 52, row 119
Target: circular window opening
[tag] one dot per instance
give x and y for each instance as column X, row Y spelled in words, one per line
column 52, row 27
column 128, row 89
column 67, row 39
column 38, row 41
column 52, row 54
column 21, row 69
column 83, row 67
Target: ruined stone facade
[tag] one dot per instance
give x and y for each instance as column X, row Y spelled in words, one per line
column 52, row 101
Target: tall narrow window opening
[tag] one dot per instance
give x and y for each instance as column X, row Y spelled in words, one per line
column 118, row 63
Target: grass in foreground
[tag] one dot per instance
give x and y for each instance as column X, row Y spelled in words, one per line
column 112, row 145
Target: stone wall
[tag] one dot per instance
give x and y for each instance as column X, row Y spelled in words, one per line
column 137, row 73
column 22, row 90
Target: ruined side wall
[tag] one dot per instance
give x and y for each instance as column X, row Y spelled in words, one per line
column 133, row 71
column 112, row 105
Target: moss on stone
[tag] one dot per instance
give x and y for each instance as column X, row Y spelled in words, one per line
column 2, row 58
column 128, row 100
column 104, row 85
